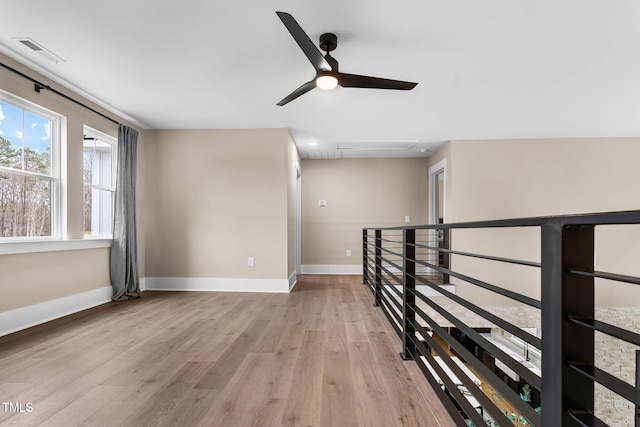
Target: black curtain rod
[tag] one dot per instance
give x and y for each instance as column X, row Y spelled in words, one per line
column 38, row 86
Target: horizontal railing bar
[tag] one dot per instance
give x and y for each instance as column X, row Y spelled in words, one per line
column 527, row 411
column 482, row 398
column 611, row 382
column 609, row 276
column 586, row 419
column 498, row 321
column 606, row 328
column 397, row 279
column 391, row 273
column 518, row 368
column 383, row 239
column 387, row 313
column 392, row 264
column 509, row 294
column 607, row 218
column 398, row 254
column 487, row 257
column 464, row 403
column 398, row 304
column 446, row 400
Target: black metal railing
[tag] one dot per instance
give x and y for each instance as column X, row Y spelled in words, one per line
column 464, row 346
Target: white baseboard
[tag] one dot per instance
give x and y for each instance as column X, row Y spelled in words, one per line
column 215, row 284
column 331, row 269
column 26, row 317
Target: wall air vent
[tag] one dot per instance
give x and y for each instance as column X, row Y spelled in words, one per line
column 39, row 49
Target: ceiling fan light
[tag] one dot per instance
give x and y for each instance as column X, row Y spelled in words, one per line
column 326, row 82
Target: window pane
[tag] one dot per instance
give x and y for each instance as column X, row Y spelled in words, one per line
column 37, row 143
column 9, row 156
column 98, row 211
column 11, row 130
column 103, row 155
column 25, row 206
column 26, row 143
column 98, row 164
column 88, row 165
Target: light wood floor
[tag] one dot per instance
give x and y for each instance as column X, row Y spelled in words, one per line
column 320, row 356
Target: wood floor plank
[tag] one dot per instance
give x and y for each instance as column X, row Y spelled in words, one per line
column 370, row 388
column 338, row 394
column 251, row 396
column 413, row 408
column 225, row 368
column 306, row 386
column 319, row 356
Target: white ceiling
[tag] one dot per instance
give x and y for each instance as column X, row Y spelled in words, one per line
column 485, row 68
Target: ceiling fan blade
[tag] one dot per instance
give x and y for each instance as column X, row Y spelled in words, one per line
column 354, row 80
column 298, row 92
column 305, row 43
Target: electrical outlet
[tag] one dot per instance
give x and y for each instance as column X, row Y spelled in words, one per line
column 407, row 218
column 251, row 261
column 348, row 252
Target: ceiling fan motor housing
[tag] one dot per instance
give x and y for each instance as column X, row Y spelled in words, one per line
column 328, row 42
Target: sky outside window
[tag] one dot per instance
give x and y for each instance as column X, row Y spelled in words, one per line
column 28, row 131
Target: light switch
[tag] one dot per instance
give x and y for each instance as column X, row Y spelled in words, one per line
column 322, row 203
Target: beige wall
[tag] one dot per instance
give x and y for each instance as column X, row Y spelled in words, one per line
column 34, row 278
column 218, row 197
column 522, row 178
column 28, row 279
column 359, row 193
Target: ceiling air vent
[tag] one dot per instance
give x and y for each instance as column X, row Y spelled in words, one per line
column 375, row 146
column 39, row 49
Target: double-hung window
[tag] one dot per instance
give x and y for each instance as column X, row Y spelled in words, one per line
column 99, row 182
column 30, row 138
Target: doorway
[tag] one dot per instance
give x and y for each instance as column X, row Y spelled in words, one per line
column 437, row 208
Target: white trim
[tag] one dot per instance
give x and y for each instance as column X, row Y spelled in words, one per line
column 54, row 176
column 32, row 315
column 293, row 280
column 298, row 220
column 212, row 284
column 433, row 171
column 331, row 269
column 24, row 247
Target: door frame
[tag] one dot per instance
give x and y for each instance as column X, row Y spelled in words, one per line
column 434, row 171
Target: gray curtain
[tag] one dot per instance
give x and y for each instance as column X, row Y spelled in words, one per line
column 124, row 250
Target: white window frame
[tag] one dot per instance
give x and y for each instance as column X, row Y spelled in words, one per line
column 113, row 141
column 58, row 122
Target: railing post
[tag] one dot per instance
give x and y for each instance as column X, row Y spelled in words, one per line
column 638, row 385
column 378, row 286
column 408, row 293
column 365, row 258
column 446, row 259
column 563, row 295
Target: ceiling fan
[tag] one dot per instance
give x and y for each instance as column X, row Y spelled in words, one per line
column 327, row 75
